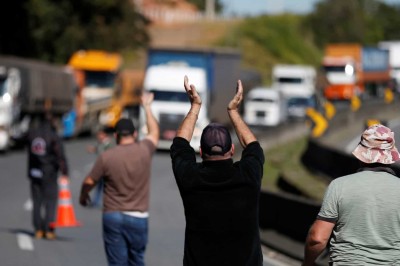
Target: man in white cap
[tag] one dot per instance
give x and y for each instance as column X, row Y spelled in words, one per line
column 361, row 211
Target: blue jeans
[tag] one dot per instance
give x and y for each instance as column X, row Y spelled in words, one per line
column 125, row 238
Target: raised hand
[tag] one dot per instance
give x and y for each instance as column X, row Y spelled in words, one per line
column 147, row 98
column 191, row 91
column 237, row 99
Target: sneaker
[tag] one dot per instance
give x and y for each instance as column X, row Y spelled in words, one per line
column 39, row 234
column 50, row 235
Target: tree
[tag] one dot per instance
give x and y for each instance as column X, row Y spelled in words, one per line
column 337, row 21
column 57, row 28
column 362, row 21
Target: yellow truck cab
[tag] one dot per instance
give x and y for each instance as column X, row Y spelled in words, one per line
column 96, row 72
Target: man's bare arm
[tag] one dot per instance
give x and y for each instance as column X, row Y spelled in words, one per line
column 316, row 241
column 187, row 127
column 152, row 125
column 87, row 185
column 243, row 132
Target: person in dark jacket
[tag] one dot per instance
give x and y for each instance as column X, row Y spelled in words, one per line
column 45, row 159
column 220, row 197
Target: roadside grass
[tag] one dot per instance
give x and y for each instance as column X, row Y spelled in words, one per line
column 283, row 161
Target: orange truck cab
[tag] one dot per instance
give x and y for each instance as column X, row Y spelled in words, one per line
column 354, row 70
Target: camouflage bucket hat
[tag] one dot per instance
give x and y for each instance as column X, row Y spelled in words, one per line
column 377, row 145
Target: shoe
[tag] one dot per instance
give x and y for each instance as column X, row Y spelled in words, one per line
column 50, row 235
column 39, row 234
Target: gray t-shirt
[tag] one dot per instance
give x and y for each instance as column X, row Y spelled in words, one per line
column 366, row 209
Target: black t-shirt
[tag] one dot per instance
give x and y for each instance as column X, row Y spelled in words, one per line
column 221, row 201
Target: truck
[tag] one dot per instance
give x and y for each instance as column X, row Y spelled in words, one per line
column 29, row 87
column 125, row 102
column 213, row 71
column 394, row 61
column 265, row 106
column 298, row 83
column 95, row 72
column 355, row 70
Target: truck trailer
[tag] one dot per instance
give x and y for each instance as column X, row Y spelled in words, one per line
column 354, row 70
column 29, row 87
column 213, row 71
column 394, row 60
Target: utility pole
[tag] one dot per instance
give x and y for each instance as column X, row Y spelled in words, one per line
column 210, row 9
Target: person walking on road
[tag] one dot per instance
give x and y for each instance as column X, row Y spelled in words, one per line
column 220, row 197
column 125, row 170
column 45, row 159
column 361, row 211
column 104, row 142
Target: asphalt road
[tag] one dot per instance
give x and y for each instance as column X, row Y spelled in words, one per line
column 83, row 246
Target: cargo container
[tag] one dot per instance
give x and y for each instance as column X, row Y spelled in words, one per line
column 354, row 70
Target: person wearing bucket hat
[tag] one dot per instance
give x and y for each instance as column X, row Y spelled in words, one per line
column 125, row 170
column 361, row 211
column 220, row 197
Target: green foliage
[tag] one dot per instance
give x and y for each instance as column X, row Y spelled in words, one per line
column 268, row 40
column 56, row 29
column 363, row 21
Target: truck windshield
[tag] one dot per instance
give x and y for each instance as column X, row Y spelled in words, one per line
column 262, row 100
column 300, row 102
column 290, row 80
column 2, row 86
column 338, row 69
column 100, row 79
column 170, row 96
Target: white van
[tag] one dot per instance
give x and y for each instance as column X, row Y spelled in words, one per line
column 265, row 107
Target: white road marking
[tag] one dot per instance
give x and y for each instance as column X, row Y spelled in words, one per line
column 28, row 205
column 25, row 242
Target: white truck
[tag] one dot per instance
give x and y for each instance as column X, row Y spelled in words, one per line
column 394, row 60
column 265, row 107
column 214, row 72
column 170, row 100
column 28, row 87
column 298, row 85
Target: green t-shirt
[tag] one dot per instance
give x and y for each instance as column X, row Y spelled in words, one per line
column 366, row 209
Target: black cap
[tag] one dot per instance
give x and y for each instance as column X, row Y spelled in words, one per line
column 124, row 127
column 215, row 139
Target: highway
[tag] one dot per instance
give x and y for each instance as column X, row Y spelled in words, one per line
column 83, row 246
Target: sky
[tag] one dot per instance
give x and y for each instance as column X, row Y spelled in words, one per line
column 257, row 7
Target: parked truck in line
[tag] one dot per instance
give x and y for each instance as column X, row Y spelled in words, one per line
column 394, row 61
column 265, row 106
column 298, row 83
column 126, row 98
column 95, row 72
column 213, row 71
column 354, row 70
column 29, row 87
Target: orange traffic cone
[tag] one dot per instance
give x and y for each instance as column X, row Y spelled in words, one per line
column 65, row 212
